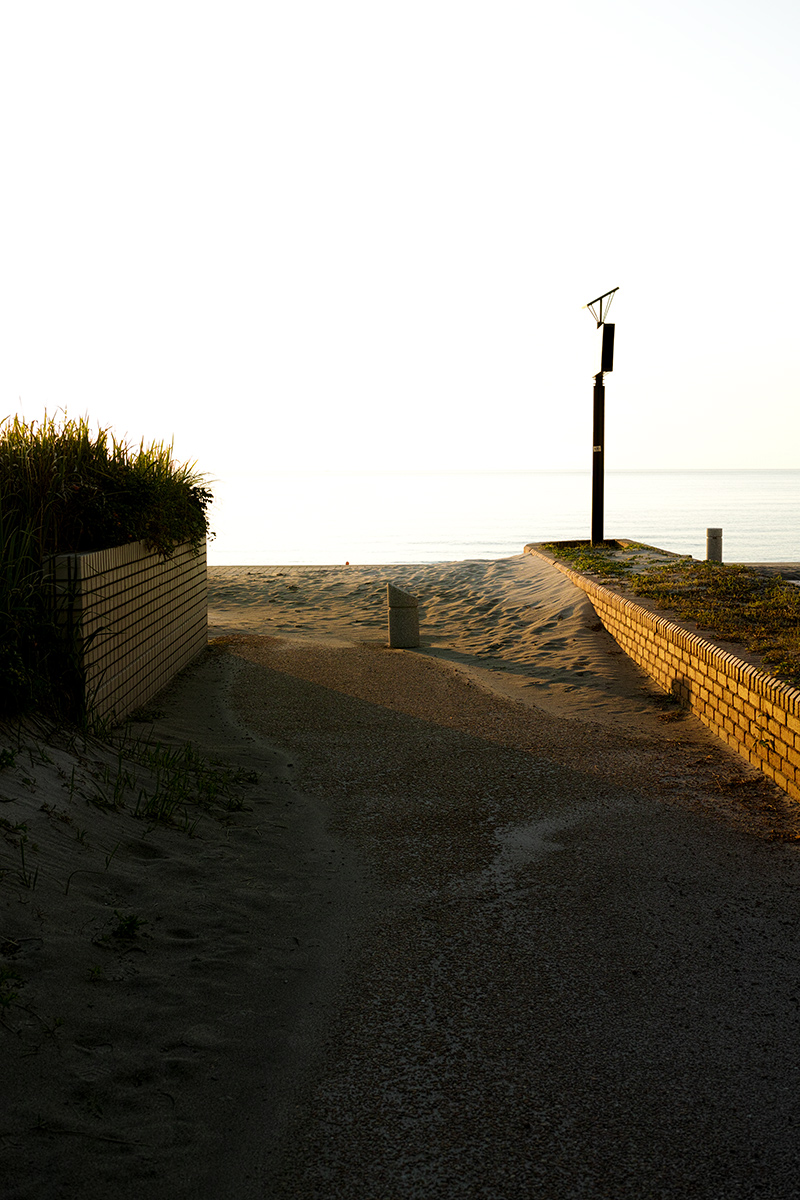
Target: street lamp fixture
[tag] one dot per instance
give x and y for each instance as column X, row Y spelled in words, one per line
column 599, row 311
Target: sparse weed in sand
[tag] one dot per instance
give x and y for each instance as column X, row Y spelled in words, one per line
column 57, row 814
column 182, row 780
column 13, row 831
column 127, row 926
column 71, row 863
column 10, row 982
column 25, row 876
column 159, row 783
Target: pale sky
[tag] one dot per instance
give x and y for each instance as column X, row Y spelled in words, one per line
column 350, row 234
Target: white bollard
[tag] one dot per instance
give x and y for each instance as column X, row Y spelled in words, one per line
column 714, row 545
column 403, row 619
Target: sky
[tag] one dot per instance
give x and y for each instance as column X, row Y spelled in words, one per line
column 347, row 234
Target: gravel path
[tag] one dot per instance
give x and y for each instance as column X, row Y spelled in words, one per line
column 571, row 964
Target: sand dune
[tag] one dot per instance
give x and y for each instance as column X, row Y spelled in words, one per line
column 515, row 624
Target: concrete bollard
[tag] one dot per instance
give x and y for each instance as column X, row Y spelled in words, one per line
column 714, row 545
column 403, row 619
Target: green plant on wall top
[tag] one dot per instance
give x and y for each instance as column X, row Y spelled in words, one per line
column 65, row 489
column 583, row 556
column 734, row 602
column 76, row 490
column 737, row 603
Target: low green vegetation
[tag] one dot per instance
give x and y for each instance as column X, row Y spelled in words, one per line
column 67, row 489
column 180, row 783
column 589, row 559
column 731, row 602
column 156, row 782
column 736, row 604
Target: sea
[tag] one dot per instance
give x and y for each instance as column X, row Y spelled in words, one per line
column 416, row 517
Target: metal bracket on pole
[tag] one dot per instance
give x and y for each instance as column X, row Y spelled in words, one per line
column 602, row 312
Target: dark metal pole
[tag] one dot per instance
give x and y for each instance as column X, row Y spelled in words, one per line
column 598, row 444
column 598, row 434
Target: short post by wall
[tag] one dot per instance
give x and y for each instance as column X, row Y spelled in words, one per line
column 140, row 618
column 403, row 619
column 714, row 545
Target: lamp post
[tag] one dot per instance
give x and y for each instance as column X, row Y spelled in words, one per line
column 599, row 419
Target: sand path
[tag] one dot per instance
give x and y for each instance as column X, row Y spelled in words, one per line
column 568, row 970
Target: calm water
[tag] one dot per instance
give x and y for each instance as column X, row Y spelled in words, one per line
column 431, row 517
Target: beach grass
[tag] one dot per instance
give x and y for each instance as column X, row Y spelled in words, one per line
column 76, row 489
column 66, row 488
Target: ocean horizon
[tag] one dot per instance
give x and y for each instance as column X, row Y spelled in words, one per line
column 314, row 518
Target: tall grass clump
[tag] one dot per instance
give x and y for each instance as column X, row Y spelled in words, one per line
column 65, row 489
column 77, row 490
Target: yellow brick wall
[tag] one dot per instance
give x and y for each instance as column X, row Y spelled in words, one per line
column 141, row 618
column 755, row 714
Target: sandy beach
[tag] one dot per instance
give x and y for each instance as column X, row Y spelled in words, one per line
column 488, row 918
column 515, row 625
